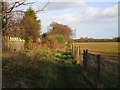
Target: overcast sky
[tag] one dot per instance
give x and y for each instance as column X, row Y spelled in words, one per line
column 88, row 19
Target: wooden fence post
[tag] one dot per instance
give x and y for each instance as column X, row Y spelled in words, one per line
column 86, row 58
column 85, row 54
column 71, row 46
column 73, row 49
column 75, row 54
column 78, row 55
column 98, row 68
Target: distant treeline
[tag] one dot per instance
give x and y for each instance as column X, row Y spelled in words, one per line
column 116, row 39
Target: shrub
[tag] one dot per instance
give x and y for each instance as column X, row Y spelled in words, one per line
column 54, row 41
column 60, row 38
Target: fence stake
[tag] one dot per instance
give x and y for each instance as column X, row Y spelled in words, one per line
column 86, row 58
column 73, row 49
column 85, row 54
column 71, row 46
column 78, row 55
column 98, row 58
column 75, row 54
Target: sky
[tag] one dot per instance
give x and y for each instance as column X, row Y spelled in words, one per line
column 87, row 18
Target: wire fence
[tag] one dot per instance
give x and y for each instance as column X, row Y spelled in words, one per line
column 96, row 66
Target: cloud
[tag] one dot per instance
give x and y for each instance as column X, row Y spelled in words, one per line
column 111, row 11
column 90, row 15
column 76, row 0
column 65, row 0
column 61, row 5
column 93, row 14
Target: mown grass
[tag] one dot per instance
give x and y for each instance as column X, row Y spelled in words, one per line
column 41, row 69
column 108, row 47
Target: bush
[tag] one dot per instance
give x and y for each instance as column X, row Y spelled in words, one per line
column 60, row 38
column 54, row 42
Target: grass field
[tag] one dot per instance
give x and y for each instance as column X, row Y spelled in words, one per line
column 107, row 47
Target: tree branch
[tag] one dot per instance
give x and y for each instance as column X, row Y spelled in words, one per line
column 43, row 7
column 17, row 4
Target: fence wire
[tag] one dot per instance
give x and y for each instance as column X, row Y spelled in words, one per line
column 90, row 58
column 99, row 52
column 108, row 70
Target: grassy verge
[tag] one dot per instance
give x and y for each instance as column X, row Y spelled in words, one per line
column 41, row 69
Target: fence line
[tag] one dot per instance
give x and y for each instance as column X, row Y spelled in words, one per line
column 91, row 58
column 99, row 52
column 76, row 53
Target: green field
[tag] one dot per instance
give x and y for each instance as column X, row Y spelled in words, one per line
column 110, row 48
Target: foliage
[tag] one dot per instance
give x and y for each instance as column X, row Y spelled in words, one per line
column 44, row 35
column 30, row 27
column 57, row 35
column 12, row 15
column 54, row 42
column 117, row 39
column 60, row 38
column 94, row 40
column 60, row 29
